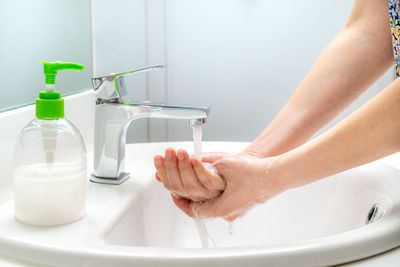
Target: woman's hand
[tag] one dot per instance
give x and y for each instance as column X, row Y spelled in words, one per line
column 187, row 177
column 242, row 181
column 249, row 180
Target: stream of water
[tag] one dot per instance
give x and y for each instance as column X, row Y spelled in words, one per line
column 199, row 222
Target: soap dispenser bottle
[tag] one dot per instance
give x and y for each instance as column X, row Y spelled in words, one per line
column 50, row 161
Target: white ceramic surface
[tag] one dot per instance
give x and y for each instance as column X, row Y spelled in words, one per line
column 137, row 224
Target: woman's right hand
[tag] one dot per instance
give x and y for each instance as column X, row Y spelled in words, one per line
column 242, row 180
column 249, row 181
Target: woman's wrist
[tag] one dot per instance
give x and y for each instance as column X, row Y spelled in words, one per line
column 289, row 170
column 252, row 152
column 255, row 151
column 270, row 146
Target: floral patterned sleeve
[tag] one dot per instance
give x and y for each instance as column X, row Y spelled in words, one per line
column 395, row 27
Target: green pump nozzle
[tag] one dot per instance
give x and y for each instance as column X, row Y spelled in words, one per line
column 50, row 105
column 51, row 68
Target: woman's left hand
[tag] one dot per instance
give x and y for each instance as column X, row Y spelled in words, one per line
column 187, row 177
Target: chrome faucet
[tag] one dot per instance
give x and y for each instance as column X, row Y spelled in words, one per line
column 114, row 113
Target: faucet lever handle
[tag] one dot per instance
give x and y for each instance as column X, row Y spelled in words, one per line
column 110, row 88
column 145, row 69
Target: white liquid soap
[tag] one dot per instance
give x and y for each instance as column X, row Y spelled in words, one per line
column 49, row 195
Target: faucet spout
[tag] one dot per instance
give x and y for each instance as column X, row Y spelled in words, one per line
column 113, row 115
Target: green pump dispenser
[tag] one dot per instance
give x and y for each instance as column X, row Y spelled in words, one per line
column 50, row 105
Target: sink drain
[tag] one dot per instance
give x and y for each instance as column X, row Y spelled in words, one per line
column 374, row 213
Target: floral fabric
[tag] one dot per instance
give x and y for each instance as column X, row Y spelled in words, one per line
column 395, row 29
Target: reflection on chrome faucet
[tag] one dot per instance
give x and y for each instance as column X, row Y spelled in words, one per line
column 114, row 113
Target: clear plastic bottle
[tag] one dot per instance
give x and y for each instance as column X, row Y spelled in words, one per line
column 49, row 166
column 50, row 173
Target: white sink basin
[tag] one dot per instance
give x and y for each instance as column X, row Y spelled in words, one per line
column 136, row 223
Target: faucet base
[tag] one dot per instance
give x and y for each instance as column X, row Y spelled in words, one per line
column 103, row 180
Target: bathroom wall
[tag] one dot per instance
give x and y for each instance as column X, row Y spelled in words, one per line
column 245, row 58
column 119, row 45
column 130, row 34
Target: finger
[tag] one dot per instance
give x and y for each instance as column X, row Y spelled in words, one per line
column 211, row 157
column 231, row 218
column 184, row 204
column 173, row 174
column 158, row 177
column 191, row 184
column 159, row 163
column 212, row 182
column 224, row 167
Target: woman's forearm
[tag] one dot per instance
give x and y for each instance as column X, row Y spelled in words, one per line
column 370, row 133
column 358, row 56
